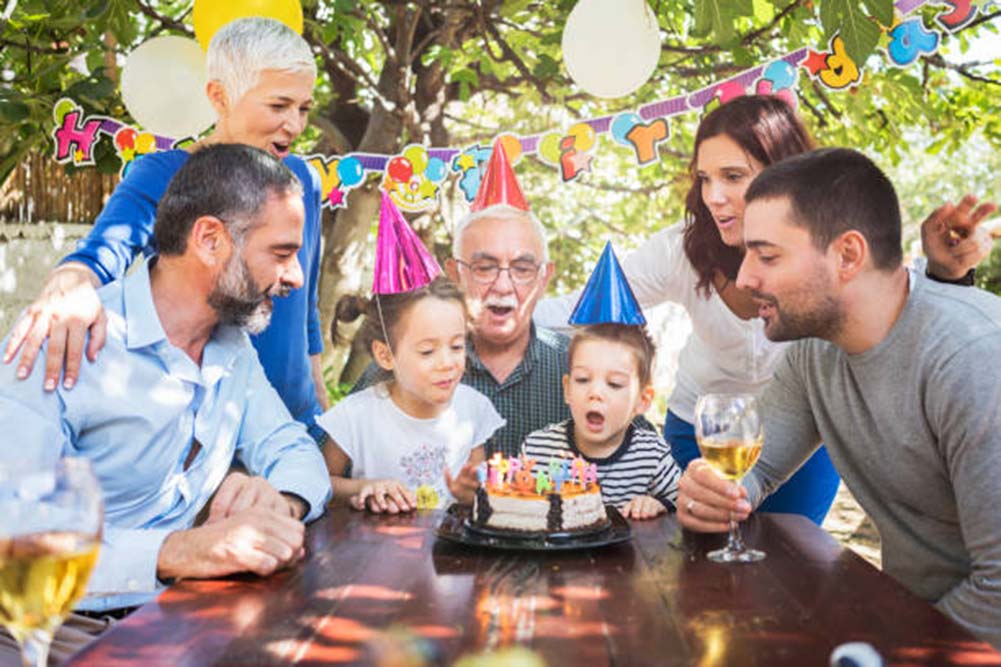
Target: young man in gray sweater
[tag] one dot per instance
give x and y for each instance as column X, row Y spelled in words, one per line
column 899, row 376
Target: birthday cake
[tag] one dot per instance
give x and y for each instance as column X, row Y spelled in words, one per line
column 517, row 495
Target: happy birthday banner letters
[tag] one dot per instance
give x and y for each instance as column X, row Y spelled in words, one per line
column 413, row 178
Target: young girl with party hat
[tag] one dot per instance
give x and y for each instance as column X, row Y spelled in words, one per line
column 414, row 439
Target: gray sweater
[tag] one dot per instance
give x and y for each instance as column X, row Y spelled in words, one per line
column 914, row 427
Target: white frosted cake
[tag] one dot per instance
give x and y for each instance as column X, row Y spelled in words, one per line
column 531, row 505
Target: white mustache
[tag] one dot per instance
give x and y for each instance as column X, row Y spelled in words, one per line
column 501, row 302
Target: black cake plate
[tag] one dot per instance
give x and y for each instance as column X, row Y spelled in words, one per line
column 457, row 527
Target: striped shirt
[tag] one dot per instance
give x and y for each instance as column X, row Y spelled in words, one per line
column 529, row 398
column 641, row 466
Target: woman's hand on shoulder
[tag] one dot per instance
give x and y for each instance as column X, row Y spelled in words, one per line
column 65, row 310
column 384, row 496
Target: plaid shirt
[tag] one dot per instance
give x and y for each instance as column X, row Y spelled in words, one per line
column 529, row 399
column 532, row 395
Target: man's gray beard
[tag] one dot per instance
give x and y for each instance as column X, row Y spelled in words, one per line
column 237, row 300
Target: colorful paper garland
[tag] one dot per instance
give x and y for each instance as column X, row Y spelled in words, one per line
column 413, row 177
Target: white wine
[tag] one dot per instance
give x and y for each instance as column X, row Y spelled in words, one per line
column 42, row 575
column 731, row 458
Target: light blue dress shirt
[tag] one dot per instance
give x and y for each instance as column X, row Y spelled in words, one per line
column 136, row 412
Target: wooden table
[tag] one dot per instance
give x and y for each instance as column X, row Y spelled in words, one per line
column 655, row 600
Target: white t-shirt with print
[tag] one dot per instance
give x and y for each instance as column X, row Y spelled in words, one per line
column 384, row 442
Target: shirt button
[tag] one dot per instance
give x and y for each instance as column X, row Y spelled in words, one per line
column 133, row 585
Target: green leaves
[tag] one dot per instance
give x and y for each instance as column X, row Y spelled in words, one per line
column 718, row 18
column 467, row 80
column 858, row 21
column 849, row 18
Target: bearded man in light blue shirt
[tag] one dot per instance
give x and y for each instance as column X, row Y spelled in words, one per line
column 178, row 395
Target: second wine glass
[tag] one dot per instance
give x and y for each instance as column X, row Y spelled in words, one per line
column 50, row 529
column 730, row 436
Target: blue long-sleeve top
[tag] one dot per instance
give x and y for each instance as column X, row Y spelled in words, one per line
column 125, row 228
column 137, row 413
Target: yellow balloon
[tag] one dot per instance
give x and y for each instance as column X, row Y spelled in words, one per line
column 549, row 148
column 210, row 15
column 418, row 156
column 584, row 135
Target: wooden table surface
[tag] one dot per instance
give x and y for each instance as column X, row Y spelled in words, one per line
column 654, row 600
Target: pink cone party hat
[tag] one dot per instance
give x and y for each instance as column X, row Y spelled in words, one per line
column 402, row 263
column 499, row 186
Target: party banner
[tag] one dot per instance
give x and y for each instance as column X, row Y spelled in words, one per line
column 413, row 178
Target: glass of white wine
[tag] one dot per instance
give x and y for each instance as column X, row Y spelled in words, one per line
column 730, row 435
column 50, row 529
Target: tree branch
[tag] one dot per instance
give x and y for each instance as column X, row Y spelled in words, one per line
column 509, row 55
column 963, row 69
column 165, row 21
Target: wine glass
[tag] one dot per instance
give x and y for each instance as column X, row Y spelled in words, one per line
column 730, row 435
column 50, row 529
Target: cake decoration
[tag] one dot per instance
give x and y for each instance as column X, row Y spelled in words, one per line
column 521, row 495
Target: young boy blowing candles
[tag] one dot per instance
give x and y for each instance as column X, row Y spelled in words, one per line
column 609, row 383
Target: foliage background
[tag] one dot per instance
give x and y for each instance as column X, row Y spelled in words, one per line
column 454, row 72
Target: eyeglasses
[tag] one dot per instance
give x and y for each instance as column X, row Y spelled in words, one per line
column 521, row 271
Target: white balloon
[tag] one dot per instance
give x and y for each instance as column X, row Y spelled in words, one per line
column 611, row 47
column 163, row 86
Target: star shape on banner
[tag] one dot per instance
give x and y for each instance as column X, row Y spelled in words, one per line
column 815, row 62
column 466, row 161
column 427, row 189
column 336, row 197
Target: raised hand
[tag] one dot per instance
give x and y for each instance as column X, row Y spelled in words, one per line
column 952, row 239
column 463, row 485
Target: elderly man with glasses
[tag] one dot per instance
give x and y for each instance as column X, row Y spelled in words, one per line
column 500, row 259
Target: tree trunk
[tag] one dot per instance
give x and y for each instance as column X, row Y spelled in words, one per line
column 346, row 256
column 419, row 94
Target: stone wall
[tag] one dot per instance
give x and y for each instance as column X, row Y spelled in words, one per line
column 27, row 254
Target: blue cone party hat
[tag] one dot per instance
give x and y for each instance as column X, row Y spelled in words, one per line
column 607, row 297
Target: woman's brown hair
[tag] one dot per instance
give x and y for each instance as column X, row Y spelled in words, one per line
column 768, row 130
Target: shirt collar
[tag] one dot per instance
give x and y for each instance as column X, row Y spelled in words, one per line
column 142, row 324
column 143, row 329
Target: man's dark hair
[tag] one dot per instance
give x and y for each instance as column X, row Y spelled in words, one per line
column 228, row 181
column 833, row 190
